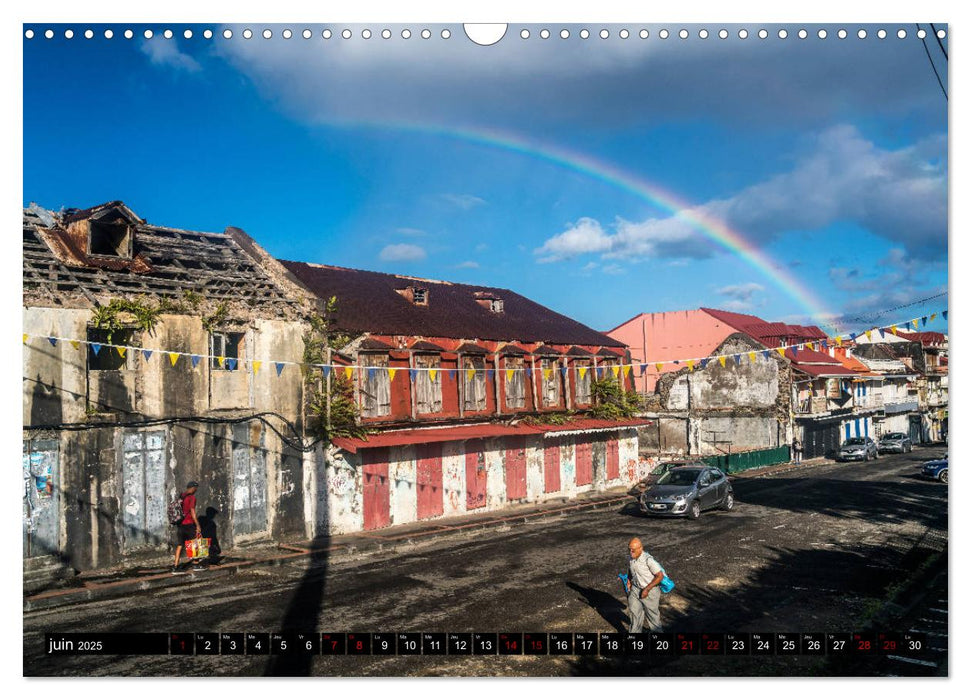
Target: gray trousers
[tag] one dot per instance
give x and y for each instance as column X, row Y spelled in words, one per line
column 639, row 607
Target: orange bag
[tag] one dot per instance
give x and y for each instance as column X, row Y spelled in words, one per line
column 197, row 548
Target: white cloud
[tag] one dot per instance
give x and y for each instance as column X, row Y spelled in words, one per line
column 468, row 264
column 613, row 269
column 585, row 236
column 463, row 201
column 402, row 252
column 165, row 52
column 899, row 195
column 408, row 231
column 742, row 293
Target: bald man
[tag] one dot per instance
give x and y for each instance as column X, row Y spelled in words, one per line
column 643, row 595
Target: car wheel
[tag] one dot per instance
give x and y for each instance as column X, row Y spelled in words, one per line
column 729, row 501
column 943, row 476
column 694, row 510
column 866, row 456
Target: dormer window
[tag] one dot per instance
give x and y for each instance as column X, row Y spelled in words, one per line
column 488, row 300
column 416, row 295
column 111, row 239
column 495, row 306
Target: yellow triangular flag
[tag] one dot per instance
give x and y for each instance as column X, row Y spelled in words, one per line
column 256, row 367
column 547, row 373
column 432, row 373
column 173, row 358
column 219, row 360
column 659, row 365
column 751, row 357
column 583, row 372
column 391, row 372
column 348, row 371
column 76, row 344
column 121, row 351
column 781, row 351
column 615, row 369
column 627, row 370
column 691, row 365
column 867, row 334
column 469, row 373
column 509, row 374
column 721, row 360
column 893, row 329
column 914, row 324
column 839, row 340
column 933, row 316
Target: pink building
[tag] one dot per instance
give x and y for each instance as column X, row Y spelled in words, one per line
column 674, row 336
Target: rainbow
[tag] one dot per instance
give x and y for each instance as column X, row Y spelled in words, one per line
column 711, row 228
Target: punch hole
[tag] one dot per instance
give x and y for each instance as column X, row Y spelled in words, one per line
column 901, row 33
column 564, row 33
column 148, row 34
column 405, row 33
column 326, row 34
column 722, row 33
column 604, row 33
column 109, row 34
column 683, row 34
column 167, row 33
column 941, row 34
column 841, row 34
column 88, row 34
column 207, row 34
column 524, row 34
column 743, row 33
column 129, row 34
column 29, row 34
column 763, row 34
column 921, row 34
column 882, row 34
column 267, row 34
column 821, row 34
column 385, row 33
column 584, row 33
column 861, row 33
column 287, row 34
column 247, row 33
column 446, row 34
column 803, row 34
column 663, row 33
column 227, row 34
column 644, row 34
column 68, row 34
column 187, row 34
column 49, row 34
column 703, row 34
column 426, row 34
column 783, row 33
column 366, row 34
column 544, row 34
column 624, row 33
column 346, row 34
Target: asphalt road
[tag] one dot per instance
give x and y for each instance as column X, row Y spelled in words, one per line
column 808, row 551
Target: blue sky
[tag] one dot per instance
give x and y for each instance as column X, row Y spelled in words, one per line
column 828, row 155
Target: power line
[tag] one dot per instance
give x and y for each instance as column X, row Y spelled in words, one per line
column 863, row 318
column 928, row 52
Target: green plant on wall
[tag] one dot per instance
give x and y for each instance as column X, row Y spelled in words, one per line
column 611, row 401
column 344, row 412
column 119, row 314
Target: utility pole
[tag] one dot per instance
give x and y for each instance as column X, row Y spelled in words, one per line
column 644, row 351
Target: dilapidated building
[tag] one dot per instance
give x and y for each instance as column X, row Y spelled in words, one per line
column 141, row 370
column 474, row 398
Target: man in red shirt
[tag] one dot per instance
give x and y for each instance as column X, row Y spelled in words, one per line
column 189, row 528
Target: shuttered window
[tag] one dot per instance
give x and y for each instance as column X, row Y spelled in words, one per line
column 583, row 381
column 428, row 390
column 376, row 386
column 474, row 383
column 515, row 383
column 551, row 382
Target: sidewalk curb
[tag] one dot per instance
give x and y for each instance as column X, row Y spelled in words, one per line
column 46, row 600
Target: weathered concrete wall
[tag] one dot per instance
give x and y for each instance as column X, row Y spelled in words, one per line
column 535, row 477
column 453, row 478
column 403, row 478
column 112, row 498
column 711, row 434
column 341, row 505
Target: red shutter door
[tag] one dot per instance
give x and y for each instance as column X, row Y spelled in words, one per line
column 584, row 463
column 475, row 475
column 515, row 468
column 551, row 467
column 377, row 490
column 430, row 501
column 613, row 460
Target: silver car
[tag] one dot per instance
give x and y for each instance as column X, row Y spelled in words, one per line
column 895, row 442
column 861, row 449
column 687, row 491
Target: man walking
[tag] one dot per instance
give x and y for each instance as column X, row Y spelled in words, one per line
column 188, row 528
column 643, row 594
column 796, row 450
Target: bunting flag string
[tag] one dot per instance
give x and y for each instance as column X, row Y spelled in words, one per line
column 616, row 370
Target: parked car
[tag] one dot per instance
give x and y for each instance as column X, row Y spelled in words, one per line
column 687, row 491
column 660, row 470
column 895, row 442
column 935, row 469
column 858, row 448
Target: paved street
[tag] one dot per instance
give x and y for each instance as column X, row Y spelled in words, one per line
column 811, row 550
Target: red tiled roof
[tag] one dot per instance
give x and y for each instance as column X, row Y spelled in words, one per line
column 924, row 337
column 368, row 302
column 766, row 332
column 836, row 370
column 480, row 430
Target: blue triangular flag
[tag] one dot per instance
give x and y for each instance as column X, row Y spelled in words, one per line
column 795, row 350
column 370, row 372
column 413, row 373
column 53, row 341
column 765, row 354
column 279, row 368
column 923, row 320
column 882, row 332
column 451, row 374
column 944, row 314
column 643, row 370
column 853, row 336
column 147, row 354
column 738, row 359
column 491, row 373
column 96, row 348
column 231, row 363
column 326, row 369
column 600, row 372
column 562, row 371
column 677, row 362
column 704, row 362
column 529, row 372
column 194, row 359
